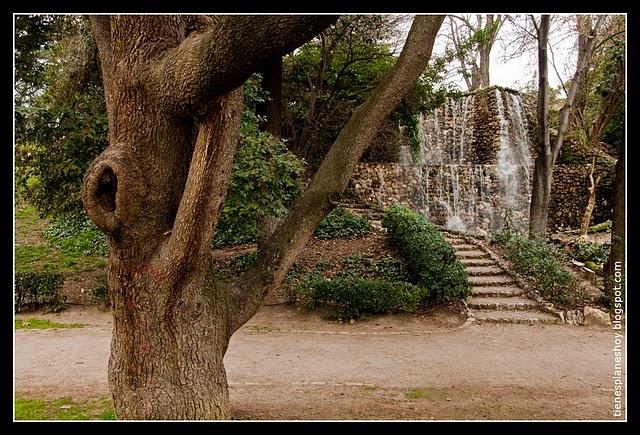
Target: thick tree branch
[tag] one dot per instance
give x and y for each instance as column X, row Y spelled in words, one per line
column 204, row 192
column 333, row 175
column 217, row 61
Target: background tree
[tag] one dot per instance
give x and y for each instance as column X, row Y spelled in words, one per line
column 174, row 109
column 547, row 152
column 482, row 31
column 600, row 97
column 61, row 124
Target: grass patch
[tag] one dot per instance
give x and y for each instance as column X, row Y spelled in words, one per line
column 44, row 324
column 416, row 394
column 70, row 244
column 64, row 408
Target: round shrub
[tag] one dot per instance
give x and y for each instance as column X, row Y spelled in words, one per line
column 430, row 259
column 349, row 297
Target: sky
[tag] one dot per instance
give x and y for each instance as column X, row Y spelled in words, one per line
column 513, row 70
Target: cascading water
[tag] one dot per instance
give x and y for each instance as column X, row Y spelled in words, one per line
column 451, row 189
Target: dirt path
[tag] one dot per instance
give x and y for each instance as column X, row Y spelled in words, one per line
column 286, row 364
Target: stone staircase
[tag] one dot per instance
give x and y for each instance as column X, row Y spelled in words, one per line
column 495, row 296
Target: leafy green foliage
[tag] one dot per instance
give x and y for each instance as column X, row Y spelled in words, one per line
column 100, row 291
column 366, row 266
column 76, row 233
column 265, row 176
column 342, row 223
column 591, row 252
column 327, row 78
column 38, row 289
column 541, row 261
column 62, row 126
column 350, row 296
column 430, row 259
column 235, row 266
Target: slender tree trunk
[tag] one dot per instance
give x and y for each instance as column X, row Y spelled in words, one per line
column 617, row 253
column 484, row 53
column 591, row 203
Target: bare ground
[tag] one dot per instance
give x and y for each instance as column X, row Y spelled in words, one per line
column 290, row 364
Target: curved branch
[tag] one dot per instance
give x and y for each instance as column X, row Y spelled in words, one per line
column 217, row 61
column 206, row 186
column 332, row 177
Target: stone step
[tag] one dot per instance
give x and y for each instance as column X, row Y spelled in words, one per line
column 484, row 270
column 455, row 240
column 464, row 247
column 472, row 254
column 501, row 304
column 477, row 262
column 524, row 317
column 494, row 291
column 490, row 280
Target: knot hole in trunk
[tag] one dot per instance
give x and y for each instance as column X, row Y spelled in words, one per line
column 106, row 190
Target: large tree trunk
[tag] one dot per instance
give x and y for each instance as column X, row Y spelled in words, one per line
column 617, row 253
column 174, row 103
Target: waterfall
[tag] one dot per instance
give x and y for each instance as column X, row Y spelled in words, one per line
column 450, row 188
column 513, row 158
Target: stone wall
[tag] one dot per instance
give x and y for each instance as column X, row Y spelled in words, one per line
column 382, row 185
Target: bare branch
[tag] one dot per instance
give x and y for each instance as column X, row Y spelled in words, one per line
column 332, row 177
column 553, row 63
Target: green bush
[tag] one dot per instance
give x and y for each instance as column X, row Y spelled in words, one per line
column 366, row 266
column 38, row 289
column 590, row 252
column 341, row 223
column 541, row 261
column 350, row 296
column 100, row 291
column 430, row 259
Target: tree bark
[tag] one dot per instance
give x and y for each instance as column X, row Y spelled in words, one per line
column 158, row 189
column 617, row 253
